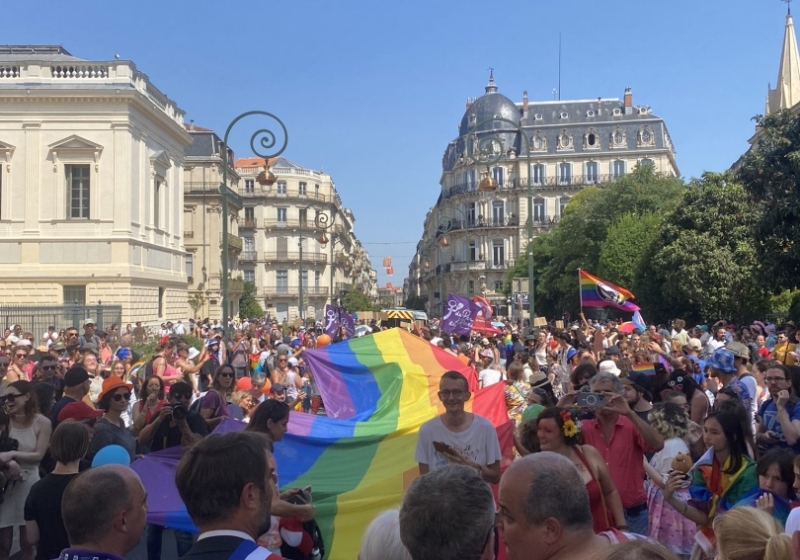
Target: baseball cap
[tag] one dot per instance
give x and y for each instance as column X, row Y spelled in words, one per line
column 738, row 349
column 88, row 322
column 78, row 411
column 278, row 388
column 75, row 376
column 211, row 342
column 612, row 351
column 640, row 382
column 694, row 344
column 722, row 359
column 58, row 347
column 293, row 361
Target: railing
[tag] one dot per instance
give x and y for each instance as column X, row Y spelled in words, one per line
column 343, row 287
column 82, row 71
column 36, row 318
column 209, row 187
column 280, row 290
column 236, row 285
column 315, row 196
column 308, row 257
column 9, row 72
column 248, row 256
column 547, row 183
column 456, row 266
column 233, row 242
column 246, row 222
column 290, row 223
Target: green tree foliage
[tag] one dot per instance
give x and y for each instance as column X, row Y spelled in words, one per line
column 356, row 300
column 248, row 305
column 627, row 241
column 771, row 174
column 196, row 302
column 703, row 263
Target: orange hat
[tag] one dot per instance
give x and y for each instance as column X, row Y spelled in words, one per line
column 111, row 384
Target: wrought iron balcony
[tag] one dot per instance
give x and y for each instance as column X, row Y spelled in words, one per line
column 234, row 242
column 247, row 222
column 281, row 256
column 248, row 256
column 292, row 291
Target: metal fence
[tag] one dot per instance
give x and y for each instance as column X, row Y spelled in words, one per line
column 36, row 318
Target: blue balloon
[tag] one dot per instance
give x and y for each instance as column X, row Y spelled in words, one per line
column 112, row 455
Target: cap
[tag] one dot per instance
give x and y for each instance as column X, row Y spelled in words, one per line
column 485, row 341
column 78, row 411
column 694, row 344
column 608, row 366
column 75, row 376
column 89, row 346
column 571, row 353
column 738, row 349
column 193, row 353
column 24, row 342
column 612, row 350
column 640, row 382
column 211, row 342
column 487, row 354
column 722, row 359
column 58, row 347
column 123, row 353
column 277, row 388
column 293, row 361
column 88, row 322
column 113, row 383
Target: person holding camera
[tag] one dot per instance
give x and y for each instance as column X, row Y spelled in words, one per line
column 175, row 424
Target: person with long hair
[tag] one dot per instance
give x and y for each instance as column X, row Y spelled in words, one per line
column 516, row 392
column 728, row 400
column 558, row 431
column 746, row 533
column 722, row 477
column 775, row 494
column 110, row 429
column 667, row 526
column 21, row 366
column 32, row 432
column 148, row 407
column 43, row 520
column 213, row 406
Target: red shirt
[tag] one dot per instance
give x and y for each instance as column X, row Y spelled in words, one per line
column 624, row 455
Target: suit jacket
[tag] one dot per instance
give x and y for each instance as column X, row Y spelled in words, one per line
column 213, row 548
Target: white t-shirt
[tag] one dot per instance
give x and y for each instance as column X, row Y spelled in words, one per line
column 793, row 522
column 478, row 442
column 662, row 460
column 489, row 377
column 750, row 382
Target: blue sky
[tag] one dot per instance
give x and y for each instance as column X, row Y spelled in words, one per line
column 372, row 91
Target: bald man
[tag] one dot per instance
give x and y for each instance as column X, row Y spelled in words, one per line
column 544, row 508
column 104, row 511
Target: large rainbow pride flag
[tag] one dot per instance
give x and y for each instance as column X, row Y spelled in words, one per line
column 596, row 292
column 378, row 390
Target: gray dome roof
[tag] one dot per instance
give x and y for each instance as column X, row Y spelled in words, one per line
column 487, row 107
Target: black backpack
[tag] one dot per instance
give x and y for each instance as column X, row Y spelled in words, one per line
column 310, row 527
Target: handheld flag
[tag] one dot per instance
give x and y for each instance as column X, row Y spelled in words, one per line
column 596, row 292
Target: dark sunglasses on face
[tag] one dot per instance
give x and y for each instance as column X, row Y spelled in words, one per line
column 118, row 397
column 18, row 356
column 226, row 374
column 48, row 368
column 181, row 395
column 11, row 397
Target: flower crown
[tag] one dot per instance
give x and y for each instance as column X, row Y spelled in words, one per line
column 571, row 428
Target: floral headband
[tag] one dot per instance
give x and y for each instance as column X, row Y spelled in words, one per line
column 571, row 428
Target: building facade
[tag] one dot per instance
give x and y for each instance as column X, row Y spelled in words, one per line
column 202, row 218
column 90, row 185
column 296, row 265
column 473, row 235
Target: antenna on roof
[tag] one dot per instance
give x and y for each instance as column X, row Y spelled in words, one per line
column 559, row 63
column 788, row 6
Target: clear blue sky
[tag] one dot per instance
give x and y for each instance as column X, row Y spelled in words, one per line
column 372, row 91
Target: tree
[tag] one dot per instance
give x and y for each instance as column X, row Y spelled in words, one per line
column 770, row 172
column 627, row 241
column 196, row 302
column 248, row 305
column 356, row 300
column 703, row 263
column 416, row 302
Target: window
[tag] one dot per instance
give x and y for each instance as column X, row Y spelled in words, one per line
column 249, row 275
column 303, row 216
column 282, row 281
column 539, row 210
column 498, row 212
column 188, row 262
column 249, row 244
column 157, row 205
column 590, row 113
column 470, row 214
column 302, row 189
column 618, row 168
column 471, row 286
column 249, row 214
column 564, row 173
column 281, row 215
column 591, row 172
column 304, row 279
column 498, row 286
column 498, row 253
column 317, row 276
column 161, row 302
column 282, row 247
column 75, row 294
column 537, row 174
column 562, row 203
column 647, row 161
column 472, row 251
column 499, row 175
column 78, row 191
column 281, row 187
column 249, row 186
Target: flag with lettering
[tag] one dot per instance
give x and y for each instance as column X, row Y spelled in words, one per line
column 459, row 314
column 331, row 321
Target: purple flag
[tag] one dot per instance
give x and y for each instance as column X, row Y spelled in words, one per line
column 331, row 321
column 459, row 315
column 347, row 322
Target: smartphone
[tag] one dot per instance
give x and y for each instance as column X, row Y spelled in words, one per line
column 591, row 400
column 442, row 447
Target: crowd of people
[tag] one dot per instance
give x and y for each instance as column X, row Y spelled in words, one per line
column 661, row 443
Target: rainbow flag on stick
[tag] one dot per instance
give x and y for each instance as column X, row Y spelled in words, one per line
column 647, row 369
column 596, row 292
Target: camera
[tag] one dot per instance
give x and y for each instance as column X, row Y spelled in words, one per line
column 593, row 400
column 179, row 411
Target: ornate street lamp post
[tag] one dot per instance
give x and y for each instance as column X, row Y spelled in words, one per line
column 267, row 141
column 324, row 223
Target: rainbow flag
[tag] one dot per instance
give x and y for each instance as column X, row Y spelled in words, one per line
column 378, row 390
column 647, row 369
column 595, row 292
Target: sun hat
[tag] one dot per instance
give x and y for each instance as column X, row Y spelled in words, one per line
column 111, row 384
column 193, row 353
column 738, row 349
column 487, row 354
column 608, row 366
column 722, row 359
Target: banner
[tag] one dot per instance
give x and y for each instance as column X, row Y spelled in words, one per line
column 331, row 321
column 483, row 317
column 458, row 315
column 347, row 322
column 596, row 292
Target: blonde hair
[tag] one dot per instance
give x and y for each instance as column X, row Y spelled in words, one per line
column 746, row 533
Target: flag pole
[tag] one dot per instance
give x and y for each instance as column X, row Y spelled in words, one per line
column 580, row 291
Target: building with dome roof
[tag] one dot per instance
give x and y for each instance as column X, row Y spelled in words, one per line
column 472, row 235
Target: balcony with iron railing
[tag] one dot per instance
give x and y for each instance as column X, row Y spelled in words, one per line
column 247, row 222
column 209, row 188
column 292, row 291
column 234, row 242
column 248, row 256
column 343, row 287
column 290, row 224
column 281, row 256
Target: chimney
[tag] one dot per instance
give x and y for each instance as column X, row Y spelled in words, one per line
column 599, row 105
column 628, row 101
column 525, row 103
column 191, row 124
column 469, row 103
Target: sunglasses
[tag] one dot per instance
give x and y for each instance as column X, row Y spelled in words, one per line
column 181, row 395
column 20, row 355
column 11, row 397
column 48, row 368
column 226, row 374
column 118, row 397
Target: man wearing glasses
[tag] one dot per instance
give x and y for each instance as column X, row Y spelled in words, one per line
column 779, row 416
column 175, row 424
column 47, row 372
column 784, row 350
column 458, row 437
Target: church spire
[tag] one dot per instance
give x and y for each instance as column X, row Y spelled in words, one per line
column 787, row 90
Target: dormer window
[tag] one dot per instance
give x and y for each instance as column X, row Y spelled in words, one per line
column 590, row 113
column 617, row 112
column 538, row 116
column 644, row 110
column 564, row 115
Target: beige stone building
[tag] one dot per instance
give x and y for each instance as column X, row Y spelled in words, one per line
column 90, row 185
column 283, row 246
column 202, row 229
column 472, row 236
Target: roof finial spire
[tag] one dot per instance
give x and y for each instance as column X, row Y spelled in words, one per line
column 788, row 7
column 491, row 87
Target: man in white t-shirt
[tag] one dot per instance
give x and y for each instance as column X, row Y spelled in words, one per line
column 741, row 357
column 458, row 437
column 488, row 375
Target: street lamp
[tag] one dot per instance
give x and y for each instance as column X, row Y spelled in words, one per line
column 486, row 151
column 267, row 141
column 324, row 223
